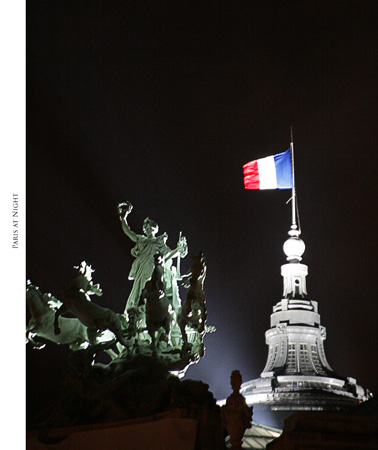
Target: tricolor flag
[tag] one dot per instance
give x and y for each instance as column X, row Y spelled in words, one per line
column 272, row 172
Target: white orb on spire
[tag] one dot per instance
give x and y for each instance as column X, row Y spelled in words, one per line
column 294, row 248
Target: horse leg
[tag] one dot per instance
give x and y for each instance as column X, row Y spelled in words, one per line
column 119, row 331
column 153, row 344
column 92, row 335
column 58, row 313
column 36, row 345
column 120, row 337
column 186, row 346
column 112, row 353
column 201, row 329
column 167, row 328
column 182, row 325
column 151, row 332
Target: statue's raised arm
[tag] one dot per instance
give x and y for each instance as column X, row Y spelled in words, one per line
column 124, row 209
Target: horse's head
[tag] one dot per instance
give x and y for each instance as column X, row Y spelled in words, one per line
column 85, row 270
column 198, row 268
column 158, row 260
column 31, row 287
column 83, row 282
column 158, row 273
column 51, row 301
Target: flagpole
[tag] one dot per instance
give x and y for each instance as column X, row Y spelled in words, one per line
column 293, row 196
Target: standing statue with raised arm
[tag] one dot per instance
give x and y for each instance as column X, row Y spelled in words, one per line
column 146, row 246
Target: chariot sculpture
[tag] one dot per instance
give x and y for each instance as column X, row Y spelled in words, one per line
column 155, row 329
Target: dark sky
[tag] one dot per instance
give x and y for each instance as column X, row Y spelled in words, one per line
column 161, row 104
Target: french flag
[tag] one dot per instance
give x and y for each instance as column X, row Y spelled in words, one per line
column 272, row 172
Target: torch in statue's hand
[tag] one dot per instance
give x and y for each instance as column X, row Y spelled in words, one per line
column 124, row 209
column 182, row 246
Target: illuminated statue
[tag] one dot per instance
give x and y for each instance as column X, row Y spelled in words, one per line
column 42, row 308
column 146, row 247
column 236, row 415
column 193, row 313
column 76, row 300
column 148, row 352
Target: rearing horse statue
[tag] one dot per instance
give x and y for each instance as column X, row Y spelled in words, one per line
column 193, row 311
column 76, row 300
column 42, row 308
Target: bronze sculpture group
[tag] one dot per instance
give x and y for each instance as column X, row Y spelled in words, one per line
column 151, row 343
column 154, row 322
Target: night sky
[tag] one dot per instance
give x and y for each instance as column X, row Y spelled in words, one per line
column 161, row 104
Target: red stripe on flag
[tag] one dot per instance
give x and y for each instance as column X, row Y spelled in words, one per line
column 251, row 175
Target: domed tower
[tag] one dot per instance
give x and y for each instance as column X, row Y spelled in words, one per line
column 297, row 375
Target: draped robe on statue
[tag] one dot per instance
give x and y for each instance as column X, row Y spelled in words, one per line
column 143, row 266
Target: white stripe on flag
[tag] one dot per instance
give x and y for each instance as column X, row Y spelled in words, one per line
column 267, row 173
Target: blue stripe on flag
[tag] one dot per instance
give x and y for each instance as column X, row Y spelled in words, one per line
column 284, row 170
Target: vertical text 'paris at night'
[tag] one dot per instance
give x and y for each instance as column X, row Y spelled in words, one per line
column 15, row 209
